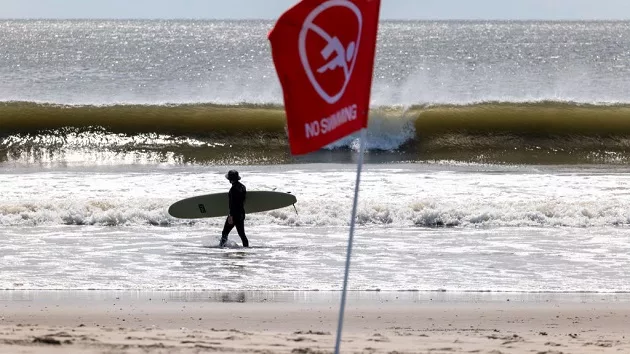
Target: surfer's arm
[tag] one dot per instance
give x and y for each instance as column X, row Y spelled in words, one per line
column 230, row 196
column 230, row 220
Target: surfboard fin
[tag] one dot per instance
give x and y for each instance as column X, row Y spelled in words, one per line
column 295, row 209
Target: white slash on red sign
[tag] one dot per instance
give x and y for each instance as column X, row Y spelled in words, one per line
column 323, row 52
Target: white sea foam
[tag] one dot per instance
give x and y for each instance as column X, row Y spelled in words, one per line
column 409, row 195
column 532, row 229
column 386, row 132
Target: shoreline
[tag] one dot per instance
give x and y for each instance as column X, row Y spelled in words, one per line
column 312, row 296
column 306, row 297
column 132, row 322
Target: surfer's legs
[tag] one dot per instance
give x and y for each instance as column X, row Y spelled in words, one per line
column 240, row 228
column 226, row 231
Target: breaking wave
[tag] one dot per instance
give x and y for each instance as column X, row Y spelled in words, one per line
column 495, row 132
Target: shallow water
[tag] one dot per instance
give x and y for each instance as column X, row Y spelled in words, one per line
column 420, row 228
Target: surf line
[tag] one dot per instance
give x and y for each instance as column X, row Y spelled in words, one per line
column 330, row 123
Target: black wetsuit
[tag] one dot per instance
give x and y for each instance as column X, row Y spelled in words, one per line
column 236, row 196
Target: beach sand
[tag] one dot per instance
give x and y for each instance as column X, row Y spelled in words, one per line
column 293, row 322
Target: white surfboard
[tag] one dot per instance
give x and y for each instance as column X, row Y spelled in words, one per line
column 216, row 204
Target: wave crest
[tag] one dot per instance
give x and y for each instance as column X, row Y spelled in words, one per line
column 495, row 132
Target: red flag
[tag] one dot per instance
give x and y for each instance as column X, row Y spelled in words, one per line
column 323, row 51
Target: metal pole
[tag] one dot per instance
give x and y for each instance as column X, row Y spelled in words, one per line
column 349, row 251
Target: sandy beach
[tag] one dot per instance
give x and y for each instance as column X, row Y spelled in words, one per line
column 159, row 322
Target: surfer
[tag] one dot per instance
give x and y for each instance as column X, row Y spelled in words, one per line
column 236, row 216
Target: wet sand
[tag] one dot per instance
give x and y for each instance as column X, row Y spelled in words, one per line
column 306, row 322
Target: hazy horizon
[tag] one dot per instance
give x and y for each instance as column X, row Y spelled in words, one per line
column 520, row 10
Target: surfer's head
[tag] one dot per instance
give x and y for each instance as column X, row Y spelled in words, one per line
column 232, row 176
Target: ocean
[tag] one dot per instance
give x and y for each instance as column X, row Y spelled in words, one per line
column 497, row 160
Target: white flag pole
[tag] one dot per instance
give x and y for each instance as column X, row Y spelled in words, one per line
column 349, row 250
